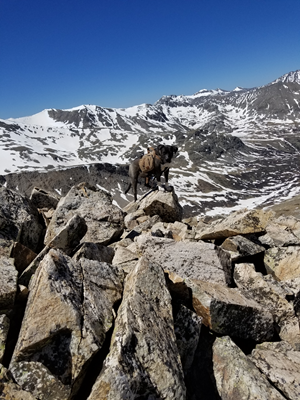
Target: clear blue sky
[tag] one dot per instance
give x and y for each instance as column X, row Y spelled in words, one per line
column 119, row 53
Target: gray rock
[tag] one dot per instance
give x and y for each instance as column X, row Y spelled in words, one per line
column 125, row 258
column 104, row 220
column 279, row 236
column 181, row 294
column 283, row 262
column 290, row 223
column 197, row 260
column 6, row 247
column 239, row 246
column 26, row 275
column 12, row 391
column 131, row 208
column 3, row 375
column 237, row 377
column 47, row 215
column 133, row 216
column 286, row 289
column 141, row 228
column 187, row 326
column 19, row 220
column 191, row 221
column 68, row 313
column 35, row 378
column 162, row 227
column 42, row 199
column 102, row 289
column 4, row 327
column 177, row 230
column 95, row 251
column 266, row 294
column 8, row 286
column 147, row 225
column 22, row 256
column 254, row 285
column 121, row 243
column 227, row 312
column 292, row 286
column 143, row 360
column 69, row 235
column 164, row 204
column 289, row 331
column 238, row 223
column 281, row 365
column 67, row 238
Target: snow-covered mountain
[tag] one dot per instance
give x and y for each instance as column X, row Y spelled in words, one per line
column 236, row 147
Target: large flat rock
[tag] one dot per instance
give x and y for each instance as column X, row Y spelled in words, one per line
column 198, row 260
column 238, row 223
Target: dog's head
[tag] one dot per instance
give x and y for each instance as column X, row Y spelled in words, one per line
column 166, row 152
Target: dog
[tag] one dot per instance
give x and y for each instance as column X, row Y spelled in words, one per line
column 163, row 155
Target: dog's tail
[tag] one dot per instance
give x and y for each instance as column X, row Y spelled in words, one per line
column 127, row 190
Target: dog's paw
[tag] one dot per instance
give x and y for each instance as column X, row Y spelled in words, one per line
column 168, row 188
column 161, row 188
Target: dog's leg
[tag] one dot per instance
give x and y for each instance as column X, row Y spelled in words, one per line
column 153, row 183
column 134, row 188
column 168, row 188
column 147, row 181
column 166, row 174
column 128, row 188
column 133, row 173
column 146, row 176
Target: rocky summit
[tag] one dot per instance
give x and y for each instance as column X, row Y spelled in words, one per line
column 99, row 302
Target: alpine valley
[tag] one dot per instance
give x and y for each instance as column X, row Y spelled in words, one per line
column 237, row 149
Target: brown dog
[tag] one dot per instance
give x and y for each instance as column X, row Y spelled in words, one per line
column 163, row 155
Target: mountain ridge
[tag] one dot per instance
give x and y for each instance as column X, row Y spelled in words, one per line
column 235, row 147
column 290, row 77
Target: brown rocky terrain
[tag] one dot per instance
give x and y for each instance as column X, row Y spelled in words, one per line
column 99, row 302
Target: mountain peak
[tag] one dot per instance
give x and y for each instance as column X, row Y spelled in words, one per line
column 238, row 89
column 293, row 76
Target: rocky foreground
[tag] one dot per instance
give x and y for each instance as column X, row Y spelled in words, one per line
column 102, row 303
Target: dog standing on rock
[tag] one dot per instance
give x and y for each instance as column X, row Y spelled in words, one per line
column 159, row 156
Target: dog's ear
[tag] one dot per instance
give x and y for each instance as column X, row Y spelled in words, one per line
column 175, row 149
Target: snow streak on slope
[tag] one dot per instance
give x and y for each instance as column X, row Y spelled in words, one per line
column 42, row 147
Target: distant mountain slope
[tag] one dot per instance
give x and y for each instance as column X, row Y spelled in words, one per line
column 235, row 147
